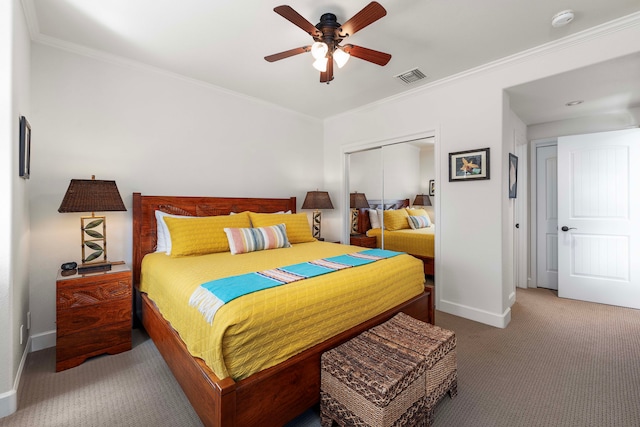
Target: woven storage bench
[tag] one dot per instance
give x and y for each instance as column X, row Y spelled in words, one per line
column 438, row 349
column 392, row 375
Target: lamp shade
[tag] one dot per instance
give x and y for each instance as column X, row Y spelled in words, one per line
column 358, row 201
column 91, row 195
column 422, row 200
column 317, row 200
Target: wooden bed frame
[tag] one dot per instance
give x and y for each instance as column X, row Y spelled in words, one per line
column 364, row 225
column 271, row 397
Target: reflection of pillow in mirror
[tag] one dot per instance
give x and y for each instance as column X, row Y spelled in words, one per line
column 416, row 222
column 417, row 212
column 396, row 219
column 374, row 217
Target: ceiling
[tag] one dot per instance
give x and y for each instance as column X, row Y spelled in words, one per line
column 224, row 42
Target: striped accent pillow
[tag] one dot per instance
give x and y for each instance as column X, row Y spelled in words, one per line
column 416, row 222
column 243, row 240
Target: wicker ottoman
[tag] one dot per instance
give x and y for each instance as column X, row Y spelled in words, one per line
column 438, row 349
column 392, row 375
column 370, row 381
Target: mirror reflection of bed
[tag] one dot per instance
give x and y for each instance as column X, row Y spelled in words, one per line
column 391, row 177
column 393, row 217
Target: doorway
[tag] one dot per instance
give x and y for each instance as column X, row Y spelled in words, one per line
column 587, row 220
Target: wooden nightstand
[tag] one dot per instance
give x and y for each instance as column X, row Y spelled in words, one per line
column 363, row 240
column 93, row 315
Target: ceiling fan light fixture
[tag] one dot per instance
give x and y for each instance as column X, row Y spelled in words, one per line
column 341, row 57
column 320, row 64
column 319, row 50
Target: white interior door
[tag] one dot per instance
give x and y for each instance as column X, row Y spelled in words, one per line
column 599, row 217
column 547, row 216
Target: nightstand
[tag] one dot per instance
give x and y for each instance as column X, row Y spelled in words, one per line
column 93, row 315
column 363, row 240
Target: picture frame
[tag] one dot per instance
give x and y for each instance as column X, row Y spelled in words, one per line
column 469, row 165
column 513, row 176
column 432, row 187
column 24, row 159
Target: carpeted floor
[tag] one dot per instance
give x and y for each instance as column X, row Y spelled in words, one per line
column 558, row 363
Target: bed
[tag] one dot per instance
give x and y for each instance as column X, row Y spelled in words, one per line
column 419, row 243
column 269, row 397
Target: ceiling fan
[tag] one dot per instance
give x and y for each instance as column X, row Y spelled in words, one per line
column 327, row 36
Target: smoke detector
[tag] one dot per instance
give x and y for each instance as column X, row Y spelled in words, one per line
column 562, row 18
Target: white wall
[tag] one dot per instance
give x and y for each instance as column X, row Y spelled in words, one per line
column 468, row 112
column 14, row 212
column 152, row 133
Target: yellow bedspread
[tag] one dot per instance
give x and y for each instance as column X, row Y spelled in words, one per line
column 264, row 328
column 416, row 242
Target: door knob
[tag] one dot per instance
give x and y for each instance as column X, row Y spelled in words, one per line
column 565, row 228
column 517, row 225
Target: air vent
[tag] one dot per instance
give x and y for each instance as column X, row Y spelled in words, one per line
column 411, row 77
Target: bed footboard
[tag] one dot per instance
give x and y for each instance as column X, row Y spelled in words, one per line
column 272, row 397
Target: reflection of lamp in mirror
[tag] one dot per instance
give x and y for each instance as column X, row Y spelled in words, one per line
column 356, row 201
column 422, row 200
column 317, row 200
column 92, row 195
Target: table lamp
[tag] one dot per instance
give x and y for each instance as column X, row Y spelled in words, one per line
column 317, row 200
column 357, row 201
column 92, row 195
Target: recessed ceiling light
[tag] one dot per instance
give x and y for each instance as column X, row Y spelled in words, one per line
column 574, row 103
column 562, row 18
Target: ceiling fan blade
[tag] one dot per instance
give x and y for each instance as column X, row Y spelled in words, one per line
column 287, row 53
column 370, row 55
column 327, row 76
column 295, row 18
column 368, row 15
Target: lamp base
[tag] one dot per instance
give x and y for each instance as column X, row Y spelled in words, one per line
column 94, row 268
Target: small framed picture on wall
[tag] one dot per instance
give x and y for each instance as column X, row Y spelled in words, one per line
column 24, row 151
column 513, row 176
column 469, row 165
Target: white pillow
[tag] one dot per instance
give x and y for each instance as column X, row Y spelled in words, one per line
column 374, row 217
column 163, row 237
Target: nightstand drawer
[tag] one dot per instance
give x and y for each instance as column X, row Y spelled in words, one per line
column 78, row 319
column 73, row 349
column 363, row 240
column 80, row 295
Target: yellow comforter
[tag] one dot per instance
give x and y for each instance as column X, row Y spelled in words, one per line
column 264, row 328
column 416, row 242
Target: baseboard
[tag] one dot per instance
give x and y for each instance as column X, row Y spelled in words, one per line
column 8, row 403
column 9, row 400
column 43, row 340
column 482, row 316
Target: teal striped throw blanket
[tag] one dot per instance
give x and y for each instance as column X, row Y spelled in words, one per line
column 210, row 296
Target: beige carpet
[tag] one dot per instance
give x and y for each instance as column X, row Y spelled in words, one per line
column 559, row 363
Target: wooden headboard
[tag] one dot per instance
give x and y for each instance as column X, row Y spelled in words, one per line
column 364, row 223
column 144, row 219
